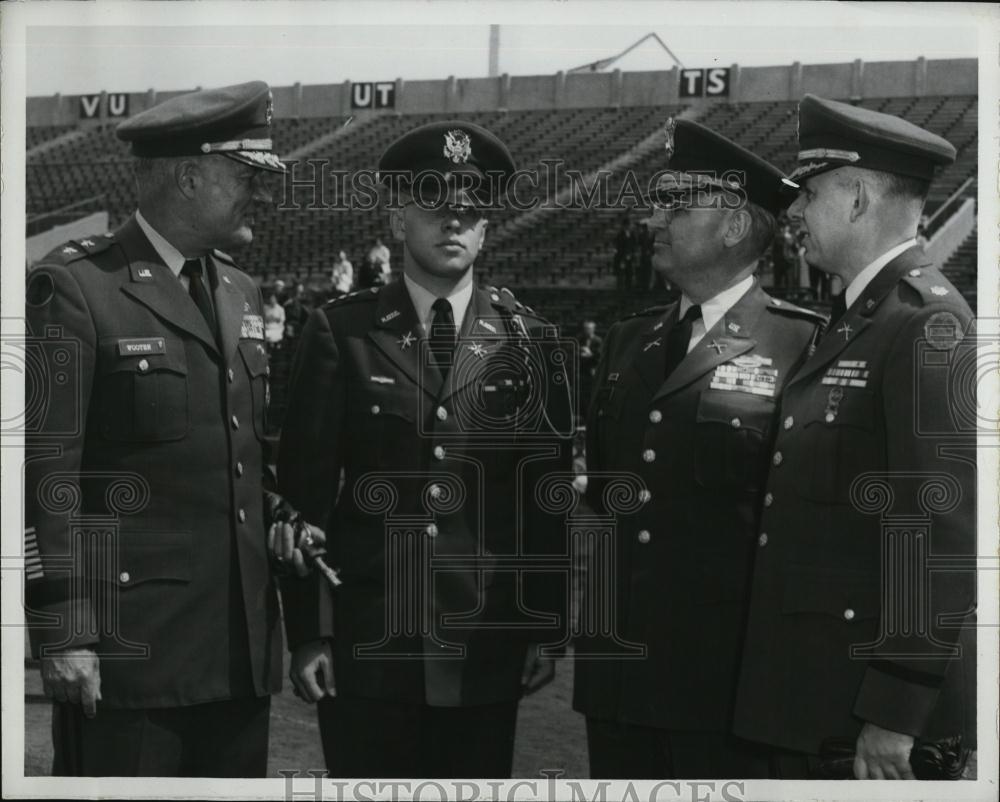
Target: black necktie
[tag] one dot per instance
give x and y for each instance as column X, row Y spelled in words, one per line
column 199, row 293
column 839, row 307
column 442, row 335
column 679, row 339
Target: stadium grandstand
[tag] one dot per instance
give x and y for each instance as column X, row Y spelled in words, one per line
column 557, row 256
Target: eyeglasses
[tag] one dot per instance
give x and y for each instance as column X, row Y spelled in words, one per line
column 464, row 213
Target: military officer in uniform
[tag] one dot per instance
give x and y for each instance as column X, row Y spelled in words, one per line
column 443, row 404
column 685, row 408
column 159, row 644
column 871, row 475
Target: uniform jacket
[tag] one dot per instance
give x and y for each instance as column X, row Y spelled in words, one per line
column 150, row 422
column 876, row 452
column 437, row 500
column 694, row 448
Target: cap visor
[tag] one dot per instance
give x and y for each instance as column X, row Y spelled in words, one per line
column 258, row 158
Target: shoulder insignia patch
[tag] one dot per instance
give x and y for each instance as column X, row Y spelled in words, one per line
column 943, row 331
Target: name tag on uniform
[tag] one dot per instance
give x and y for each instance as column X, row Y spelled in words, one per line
column 746, row 374
column 848, row 373
column 252, row 327
column 383, row 379
column 141, row 346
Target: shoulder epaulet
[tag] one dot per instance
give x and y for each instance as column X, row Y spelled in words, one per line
column 80, row 249
column 784, row 307
column 649, row 310
column 352, row 297
column 929, row 284
column 222, row 256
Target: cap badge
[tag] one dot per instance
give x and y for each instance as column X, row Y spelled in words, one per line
column 457, row 146
column 269, row 109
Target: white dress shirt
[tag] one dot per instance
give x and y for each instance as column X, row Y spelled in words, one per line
column 423, row 300
column 865, row 277
column 171, row 257
column 713, row 309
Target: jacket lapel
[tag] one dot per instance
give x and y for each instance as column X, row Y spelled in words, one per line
column 651, row 358
column 728, row 338
column 229, row 311
column 858, row 317
column 398, row 334
column 154, row 286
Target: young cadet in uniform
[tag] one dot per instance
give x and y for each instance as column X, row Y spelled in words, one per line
column 845, row 642
column 443, row 404
column 685, row 404
column 160, row 646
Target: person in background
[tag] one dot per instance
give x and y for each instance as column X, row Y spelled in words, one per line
column 274, row 321
column 624, row 261
column 296, row 312
column 342, row 276
column 644, row 273
column 590, row 355
column 380, row 255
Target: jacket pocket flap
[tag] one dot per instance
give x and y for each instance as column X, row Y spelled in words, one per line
column 121, row 354
column 735, row 409
column 847, row 595
column 153, row 555
column 255, row 357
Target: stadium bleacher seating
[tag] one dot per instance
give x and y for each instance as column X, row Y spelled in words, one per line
column 552, row 248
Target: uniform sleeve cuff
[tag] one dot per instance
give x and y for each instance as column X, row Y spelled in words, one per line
column 50, row 627
column 895, row 703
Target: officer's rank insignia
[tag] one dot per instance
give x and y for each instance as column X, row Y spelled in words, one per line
column 487, row 325
column 69, row 249
column 89, row 243
column 406, row 340
column 746, row 374
column 252, row 327
column 392, row 315
column 457, row 146
column 848, row 373
column 833, row 404
column 478, row 350
column 943, row 331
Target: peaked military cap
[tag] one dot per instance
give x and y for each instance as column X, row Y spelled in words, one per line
column 453, row 153
column 234, row 121
column 833, row 135
column 703, row 158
